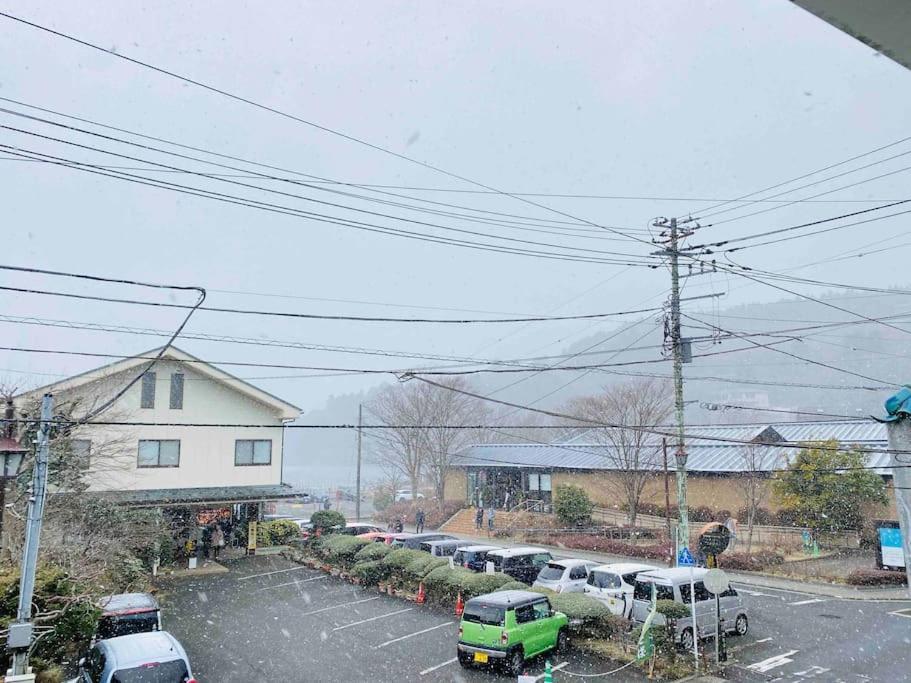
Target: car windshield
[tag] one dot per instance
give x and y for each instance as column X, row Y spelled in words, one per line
column 600, row 579
column 125, row 624
column 643, row 591
column 552, row 572
column 154, row 672
column 479, row 613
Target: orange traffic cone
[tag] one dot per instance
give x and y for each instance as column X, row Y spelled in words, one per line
column 460, row 606
column 421, row 596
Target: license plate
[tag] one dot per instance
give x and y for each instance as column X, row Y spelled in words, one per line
column 480, row 657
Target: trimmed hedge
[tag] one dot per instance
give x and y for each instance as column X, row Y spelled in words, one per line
column 445, row 583
column 671, row 609
column 482, row 583
column 877, row 577
column 399, row 558
column 341, row 549
column 588, row 616
column 419, row 567
column 373, row 551
column 754, row 562
column 513, row 586
column 325, row 521
column 370, row 573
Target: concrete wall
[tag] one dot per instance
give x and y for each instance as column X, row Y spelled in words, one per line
column 206, row 453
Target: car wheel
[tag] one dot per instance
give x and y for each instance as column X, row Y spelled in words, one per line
column 464, row 660
column 515, row 662
column 686, row 639
column 741, row 625
column 562, row 640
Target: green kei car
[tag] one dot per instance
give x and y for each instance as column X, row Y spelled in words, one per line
column 508, row 627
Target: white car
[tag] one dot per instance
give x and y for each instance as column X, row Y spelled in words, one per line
column 565, row 576
column 613, row 585
column 405, row 494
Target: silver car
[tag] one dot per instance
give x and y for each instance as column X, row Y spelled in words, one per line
column 674, row 584
column 564, row 576
column 155, row 656
column 612, row 584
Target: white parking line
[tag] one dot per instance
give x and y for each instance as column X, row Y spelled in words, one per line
column 292, row 583
column 773, row 662
column 412, row 635
column 439, row 666
column 344, row 604
column 738, row 648
column 806, row 602
column 277, row 571
column 364, row 621
column 553, row 668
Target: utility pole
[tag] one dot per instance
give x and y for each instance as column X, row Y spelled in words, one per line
column 900, row 442
column 667, row 493
column 20, row 631
column 357, row 486
column 672, row 251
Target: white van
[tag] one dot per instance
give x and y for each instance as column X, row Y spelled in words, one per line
column 674, row 584
column 612, row 584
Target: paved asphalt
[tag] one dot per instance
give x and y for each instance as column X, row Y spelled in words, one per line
column 269, row 619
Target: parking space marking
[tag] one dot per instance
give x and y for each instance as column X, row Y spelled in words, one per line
column 807, row 602
column 906, row 613
column 277, row 571
column 344, row 604
column 439, row 666
column 364, row 621
column 773, row 662
column 556, row 667
column 412, row 635
column 292, row 583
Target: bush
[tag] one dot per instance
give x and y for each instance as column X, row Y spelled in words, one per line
column 755, row 562
column 399, row 558
column 761, row 516
column 326, row 521
column 370, row 573
column 340, row 549
column 660, row 551
column 702, row 513
column 513, row 586
column 588, row 616
column 419, row 567
column 127, row 573
column 572, row 505
column 672, row 610
column 721, row 516
column 482, row 584
column 373, row 551
column 281, row 531
column 786, row 517
column 444, row 583
column 877, row 577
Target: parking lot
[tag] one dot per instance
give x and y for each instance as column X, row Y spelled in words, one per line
column 269, row 619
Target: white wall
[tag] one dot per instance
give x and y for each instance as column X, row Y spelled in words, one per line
column 206, row 453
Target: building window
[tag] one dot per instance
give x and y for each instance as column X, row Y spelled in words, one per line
column 148, row 390
column 176, row 391
column 538, row 482
column 158, row 453
column 253, row 452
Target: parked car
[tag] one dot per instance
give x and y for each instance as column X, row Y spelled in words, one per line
column 137, row 658
column 674, row 584
column 358, row 528
column 441, row 548
column 613, row 584
column 473, row 556
column 522, row 564
column 389, row 537
column 509, row 627
column 127, row 613
column 405, row 494
column 413, row 541
column 564, row 576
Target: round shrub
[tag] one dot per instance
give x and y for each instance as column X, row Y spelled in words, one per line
column 587, row 616
column 572, row 505
column 281, row 531
column 399, row 558
column 327, row 521
column 513, row 586
column 672, row 610
column 373, row 551
column 481, row 584
column 341, row 549
column 418, row 567
column 444, row 583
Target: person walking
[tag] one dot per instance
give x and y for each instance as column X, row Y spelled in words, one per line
column 479, row 518
column 490, row 514
column 218, row 540
column 419, row 521
column 506, row 500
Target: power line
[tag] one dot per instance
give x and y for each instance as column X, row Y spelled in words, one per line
column 710, row 405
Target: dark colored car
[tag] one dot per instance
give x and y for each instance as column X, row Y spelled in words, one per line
column 522, row 564
column 413, row 541
column 127, row 613
column 473, row 556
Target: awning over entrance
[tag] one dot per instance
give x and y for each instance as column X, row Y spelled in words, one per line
column 210, row 495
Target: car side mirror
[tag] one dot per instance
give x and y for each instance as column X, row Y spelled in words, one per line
column 81, row 662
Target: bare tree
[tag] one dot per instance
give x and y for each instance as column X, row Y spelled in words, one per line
column 633, row 454
column 754, row 485
column 427, row 426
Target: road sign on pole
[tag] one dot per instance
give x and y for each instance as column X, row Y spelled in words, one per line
column 685, row 558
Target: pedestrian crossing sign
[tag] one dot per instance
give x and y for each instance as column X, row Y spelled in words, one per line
column 685, row 558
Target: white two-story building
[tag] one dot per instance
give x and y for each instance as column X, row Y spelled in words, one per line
column 186, row 434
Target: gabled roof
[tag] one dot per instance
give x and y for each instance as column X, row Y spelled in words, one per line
column 287, row 410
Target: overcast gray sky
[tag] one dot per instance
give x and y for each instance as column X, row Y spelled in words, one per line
column 687, row 99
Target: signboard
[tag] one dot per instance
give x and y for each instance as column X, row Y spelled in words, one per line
column 716, row 581
column 889, row 551
column 645, row 649
column 685, row 558
column 251, row 538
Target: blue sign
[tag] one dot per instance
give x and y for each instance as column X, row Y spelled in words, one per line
column 890, row 541
column 685, row 558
